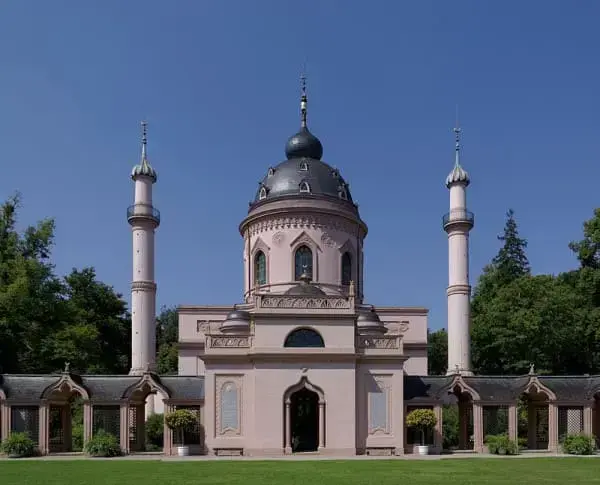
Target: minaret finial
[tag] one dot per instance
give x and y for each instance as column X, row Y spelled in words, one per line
column 144, row 138
column 303, row 98
column 457, row 131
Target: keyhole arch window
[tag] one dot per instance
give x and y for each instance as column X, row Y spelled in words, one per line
column 260, row 268
column 303, row 262
column 346, row 275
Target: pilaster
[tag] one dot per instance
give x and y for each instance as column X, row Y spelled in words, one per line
column 124, row 427
column 478, row 428
column 43, row 423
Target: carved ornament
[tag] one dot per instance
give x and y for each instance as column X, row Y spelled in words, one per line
column 380, row 342
column 204, row 326
column 143, row 285
column 288, row 301
column 328, row 241
column 302, row 222
column 278, row 238
column 229, row 342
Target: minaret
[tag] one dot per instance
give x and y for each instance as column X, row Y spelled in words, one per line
column 457, row 223
column 144, row 219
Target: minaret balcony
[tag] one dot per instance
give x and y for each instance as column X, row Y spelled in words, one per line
column 140, row 212
column 458, row 217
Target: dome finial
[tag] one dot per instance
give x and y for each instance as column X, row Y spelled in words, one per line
column 144, row 138
column 458, row 174
column 144, row 167
column 303, row 98
column 457, row 132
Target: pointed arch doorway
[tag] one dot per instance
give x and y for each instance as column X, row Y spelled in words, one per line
column 304, row 418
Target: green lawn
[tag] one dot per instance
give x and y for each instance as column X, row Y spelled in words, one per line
column 529, row 471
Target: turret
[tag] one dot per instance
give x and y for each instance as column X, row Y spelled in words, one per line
column 143, row 219
column 457, row 223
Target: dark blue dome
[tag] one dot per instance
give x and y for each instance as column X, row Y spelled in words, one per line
column 304, row 145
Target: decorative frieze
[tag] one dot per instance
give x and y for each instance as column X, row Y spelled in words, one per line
column 379, row 404
column 228, row 405
column 222, row 342
column 205, row 326
column 398, row 327
column 143, row 286
column 378, row 342
column 302, row 222
column 288, row 301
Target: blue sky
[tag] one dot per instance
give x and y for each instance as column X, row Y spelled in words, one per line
column 218, row 83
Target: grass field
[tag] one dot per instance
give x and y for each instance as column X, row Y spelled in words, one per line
column 529, row 471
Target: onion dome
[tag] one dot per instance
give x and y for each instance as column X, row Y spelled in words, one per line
column 305, row 287
column 144, row 168
column 368, row 321
column 458, row 175
column 303, row 173
column 237, row 321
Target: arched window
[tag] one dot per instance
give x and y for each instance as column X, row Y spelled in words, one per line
column 260, row 268
column 303, row 166
column 346, row 268
column 303, row 262
column 304, row 337
column 304, row 187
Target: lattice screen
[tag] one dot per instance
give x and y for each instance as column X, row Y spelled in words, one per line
column 191, row 437
column 26, row 419
column 570, row 421
column 495, row 420
column 107, row 418
column 133, row 426
column 56, row 435
column 413, row 436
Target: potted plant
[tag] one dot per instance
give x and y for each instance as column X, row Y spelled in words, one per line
column 181, row 421
column 423, row 420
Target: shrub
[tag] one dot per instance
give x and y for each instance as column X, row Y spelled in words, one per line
column 421, row 419
column 18, row 445
column 155, row 432
column 103, row 444
column 181, row 421
column 579, row 444
column 77, row 437
column 501, row 444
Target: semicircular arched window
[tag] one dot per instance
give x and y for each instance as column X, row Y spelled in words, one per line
column 303, row 262
column 304, row 337
column 260, row 268
column 346, row 268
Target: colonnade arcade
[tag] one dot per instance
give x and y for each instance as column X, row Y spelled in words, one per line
column 43, row 407
column 534, row 411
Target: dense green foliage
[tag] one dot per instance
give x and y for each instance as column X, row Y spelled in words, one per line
column 155, row 432
column 519, row 319
column 46, row 320
column 103, row 445
column 501, row 444
column 18, row 445
column 579, row 444
column 532, row 471
column 180, row 421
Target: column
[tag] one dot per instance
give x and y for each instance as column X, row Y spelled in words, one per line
column 438, row 431
column 588, row 419
column 552, row 427
column 478, row 428
column 167, row 433
column 87, row 420
column 4, row 421
column 321, row 425
column 124, row 426
column 513, row 423
column 288, row 428
column 44, row 424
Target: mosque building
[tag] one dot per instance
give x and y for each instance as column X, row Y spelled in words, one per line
column 304, row 363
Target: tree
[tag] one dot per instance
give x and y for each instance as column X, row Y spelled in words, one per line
column 98, row 334
column 167, row 330
column 588, row 249
column 437, row 352
column 30, row 294
column 45, row 320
